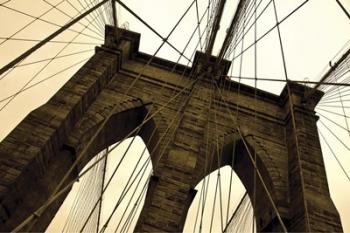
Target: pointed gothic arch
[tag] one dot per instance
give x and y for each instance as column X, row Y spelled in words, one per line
column 234, row 151
column 131, row 113
column 111, row 194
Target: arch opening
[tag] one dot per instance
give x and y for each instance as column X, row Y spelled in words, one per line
column 229, row 210
column 124, row 123
column 236, row 158
column 122, row 200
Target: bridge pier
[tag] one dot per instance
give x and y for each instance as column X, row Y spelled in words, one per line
column 311, row 208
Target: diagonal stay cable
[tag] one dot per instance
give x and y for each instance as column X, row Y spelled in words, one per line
column 48, row 22
column 335, row 123
column 57, row 57
column 154, row 31
column 337, row 137
column 210, row 17
column 255, row 109
column 280, row 42
column 236, row 210
column 99, row 22
column 102, row 12
column 199, row 206
column 50, row 37
column 146, row 163
column 334, row 155
column 199, row 27
column 219, row 8
column 125, row 227
column 108, row 15
column 334, row 96
column 100, row 19
column 101, row 190
column 284, row 80
column 98, row 27
column 20, row 64
column 239, row 30
column 210, row 23
column 39, row 72
column 214, row 202
column 335, row 113
column 102, row 15
column 45, row 79
column 342, row 100
column 343, row 87
column 335, row 101
column 343, row 9
column 109, row 181
column 242, row 6
column 273, row 27
column 138, row 176
column 194, row 31
column 218, row 153
column 25, row 26
column 333, row 106
column 338, row 74
column 32, row 21
column 51, row 41
column 242, row 31
column 72, row 17
column 114, row 172
column 5, row 2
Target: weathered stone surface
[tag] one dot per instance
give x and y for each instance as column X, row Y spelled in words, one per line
column 191, row 131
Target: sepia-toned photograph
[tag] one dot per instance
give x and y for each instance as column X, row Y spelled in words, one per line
column 194, row 116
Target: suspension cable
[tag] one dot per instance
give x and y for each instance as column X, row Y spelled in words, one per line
column 50, row 37
column 165, row 40
column 43, row 68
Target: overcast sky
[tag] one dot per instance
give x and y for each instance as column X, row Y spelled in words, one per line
column 311, row 38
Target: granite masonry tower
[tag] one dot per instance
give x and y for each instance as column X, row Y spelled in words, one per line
column 185, row 114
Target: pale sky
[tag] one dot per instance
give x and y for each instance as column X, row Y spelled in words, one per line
column 311, row 38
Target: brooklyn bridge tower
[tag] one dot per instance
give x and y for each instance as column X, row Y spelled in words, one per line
column 193, row 120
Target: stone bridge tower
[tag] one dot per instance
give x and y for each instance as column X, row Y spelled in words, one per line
column 184, row 117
